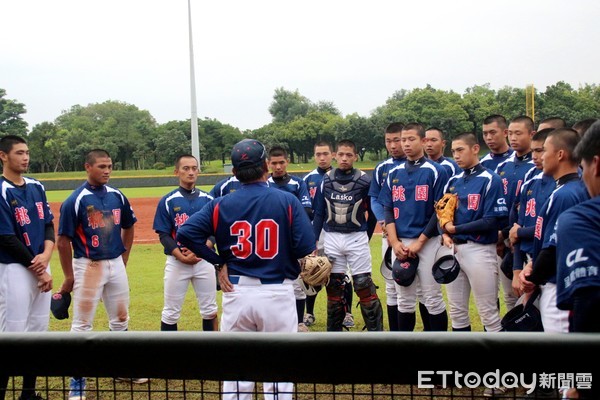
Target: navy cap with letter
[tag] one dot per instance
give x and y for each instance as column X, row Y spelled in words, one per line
column 404, row 271
column 248, row 153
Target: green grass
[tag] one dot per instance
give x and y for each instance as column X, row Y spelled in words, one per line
column 145, row 270
column 131, row 193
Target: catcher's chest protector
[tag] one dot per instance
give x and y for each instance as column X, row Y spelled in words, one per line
column 344, row 200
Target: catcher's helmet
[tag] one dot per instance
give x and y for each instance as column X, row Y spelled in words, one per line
column 59, row 305
column 507, row 264
column 523, row 317
column 386, row 265
column 404, row 271
column 445, row 268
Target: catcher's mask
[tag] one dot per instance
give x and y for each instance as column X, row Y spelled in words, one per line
column 59, row 305
column 445, row 268
column 404, row 271
column 386, row 265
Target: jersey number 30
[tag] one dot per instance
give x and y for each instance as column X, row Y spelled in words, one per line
column 264, row 243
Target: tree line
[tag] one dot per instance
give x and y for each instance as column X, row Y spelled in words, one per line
column 136, row 141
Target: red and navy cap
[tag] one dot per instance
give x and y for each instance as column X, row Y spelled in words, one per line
column 248, row 153
column 59, row 305
column 404, row 272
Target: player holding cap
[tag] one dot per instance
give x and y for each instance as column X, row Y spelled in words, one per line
column 183, row 266
column 260, row 233
column 474, row 233
column 408, row 197
column 26, row 244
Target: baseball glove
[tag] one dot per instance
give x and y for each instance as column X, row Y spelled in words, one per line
column 315, row 270
column 445, row 207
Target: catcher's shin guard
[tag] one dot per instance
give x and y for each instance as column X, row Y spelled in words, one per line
column 370, row 305
column 336, row 307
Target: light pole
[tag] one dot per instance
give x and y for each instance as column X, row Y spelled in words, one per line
column 194, row 115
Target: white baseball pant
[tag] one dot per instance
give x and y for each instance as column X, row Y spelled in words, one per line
column 23, row 308
column 553, row 319
column 478, row 272
column 510, row 299
column 391, row 297
column 95, row 280
column 349, row 251
column 177, row 278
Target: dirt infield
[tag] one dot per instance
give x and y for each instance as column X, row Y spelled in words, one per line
column 144, row 209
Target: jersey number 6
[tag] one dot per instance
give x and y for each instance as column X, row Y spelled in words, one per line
column 266, row 237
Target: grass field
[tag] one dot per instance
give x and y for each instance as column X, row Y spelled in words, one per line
column 145, row 269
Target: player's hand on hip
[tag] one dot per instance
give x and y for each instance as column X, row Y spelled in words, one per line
column 45, row 282
column 224, row 282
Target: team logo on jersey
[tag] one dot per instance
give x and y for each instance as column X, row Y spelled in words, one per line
column 398, row 193
column 312, row 192
column 421, row 193
column 116, row 216
column 530, row 208
column 40, row 209
column 14, row 202
column 96, row 219
column 473, row 202
column 574, row 257
column 180, row 219
column 22, row 216
column 176, row 209
column 505, row 185
column 539, row 222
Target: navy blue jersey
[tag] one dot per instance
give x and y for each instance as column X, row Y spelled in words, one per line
column 451, row 166
column 569, row 192
column 259, row 231
column 534, row 193
column 411, row 190
column 480, row 196
column 225, row 186
column 378, row 180
column 293, row 185
column 176, row 207
column 93, row 216
column 577, row 251
column 492, row 160
column 24, row 212
column 313, row 181
column 512, row 172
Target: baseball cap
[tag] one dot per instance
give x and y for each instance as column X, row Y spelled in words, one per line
column 404, row 271
column 386, row 265
column 445, row 268
column 248, row 153
column 524, row 316
column 59, row 305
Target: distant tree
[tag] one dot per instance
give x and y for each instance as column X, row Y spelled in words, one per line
column 288, row 105
column 11, row 121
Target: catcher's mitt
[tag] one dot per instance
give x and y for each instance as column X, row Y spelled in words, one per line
column 445, row 207
column 315, row 270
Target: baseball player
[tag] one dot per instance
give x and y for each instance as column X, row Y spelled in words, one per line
column 95, row 235
column 183, row 266
column 535, row 190
column 324, row 155
column 343, row 211
column 559, row 161
column 435, row 143
column 495, row 132
column 474, row 234
column 408, row 196
column 393, row 145
column 26, row 244
column 552, row 123
column 512, row 171
column 578, row 281
column 278, row 162
column 225, row 186
column 259, row 246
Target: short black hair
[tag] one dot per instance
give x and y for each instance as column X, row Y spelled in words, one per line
column 467, row 137
column 583, row 125
column 183, row 156
column 347, row 143
column 524, row 119
column 278, row 151
column 497, row 118
column 540, row 136
column 566, row 139
column 435, row 128
column 420, row 128
column 394, row 127
column 94, row 154
column 7, row 142
column 589, row 146
column 555, row 122
column 323, row 143
column 251, row 174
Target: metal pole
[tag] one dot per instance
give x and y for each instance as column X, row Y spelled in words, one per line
column 194, row 114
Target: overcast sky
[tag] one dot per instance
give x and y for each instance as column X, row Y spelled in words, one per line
column 56, row 54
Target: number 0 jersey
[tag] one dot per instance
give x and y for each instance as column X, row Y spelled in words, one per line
column 93, row 216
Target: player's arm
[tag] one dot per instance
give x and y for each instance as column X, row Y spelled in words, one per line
column 127, row 237
column 319, row 208
column 195, row 233
column 40, row 262
column 65, row 254
column 11, row 244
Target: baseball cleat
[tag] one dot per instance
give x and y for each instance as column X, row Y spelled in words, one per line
column 302, row 327
column 309, row 319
